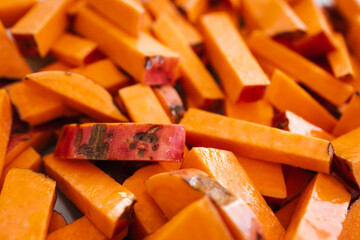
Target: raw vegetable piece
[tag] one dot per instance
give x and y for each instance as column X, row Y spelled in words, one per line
column 78, row 92
column 148, row 215
column 107, row 204
column 5, row 126
column 104, row 73
column 28, row 159
column 350, row 118
column 340, row 60
column 123, row 142
column 260, row 112
column 12, row 10
column 225, row 168
column 295, row 124
column 193, row 9
column 174, row 191
column 170, row 101
column 147, row 22
column 347, row 158
column 196, row 80
column 57, row 221
column 294, row 64
column 37, row 31
column 285, row 94
column 13, row 65
column 74, row 50
column 33, row 105
column 256, row 141
column 26, row 203
column 188, row 31
column 267, row 177
column 319, row 39
column 55, row 66
column 37, row 138
column 144, row 58
column 199, row 220
column 274, row 17
column 348, row 8
column 297, row 180
column 353, row 36
column 240, row 74
column 82, row 229
column 127, row 14
column 285, row 213
column 321, row 210
column 350, row 230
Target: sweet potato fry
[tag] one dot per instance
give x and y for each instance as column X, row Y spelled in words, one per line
column 285, row 94
column 324, row 197
column 285, row 213
column 13, row 64
column 348, row 8
column 123, row 142
column 109, row 208
column 195, row 79
column 35, row 33
column 353, row 36
column 350, row 230
column 256, row 141
column 144, row 58
column 5, row 126
column 78, row 92
column 171, row 102
column 127, row 14
column 12, row 10
column 294, row 64
column 74, row 50
column 173, row 191
column 26, row 203
column 225, row 168
column 240, row 74
column 350, row 118
column 56, row 66
column 57, row 221
column 193, row 9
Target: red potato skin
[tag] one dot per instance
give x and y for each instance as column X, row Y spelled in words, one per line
column 160, row 70
column 124, row 142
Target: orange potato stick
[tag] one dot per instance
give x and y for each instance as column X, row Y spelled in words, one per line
column 350, row 118
column 350, row 230
column 109, row 208
column 82, row 229
column 348, row 8
column 225, row 168
column 285, row 94
column 33, row 105
column 347, row 160
column 256, row 141
column 319, row 39
column 26, row 203
column 241, row 76
column 144, row 58
column 353, row 36
column 339, row 59
column 260, row 112
column 293, row 64
column 12, row 10
column 196, row 80
column 57, row 221
column 28, row 159
column 5, row 126
column 193, row 9
column 188, row 31
column 127, row 14
column 78, row 92
column 199, row 220
column 56, row 66
column 171, row 102
column 13, row 64
column 148, row 215
column 267, row 177
column 175, row 190
column 35, row 33
column 324, row 197
column 147, row 22
column 297, row 180
column 74, row 50
column 274, row 17
column 285, row 213
column 295, row 124
column 39, row 139
column 105, row 73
